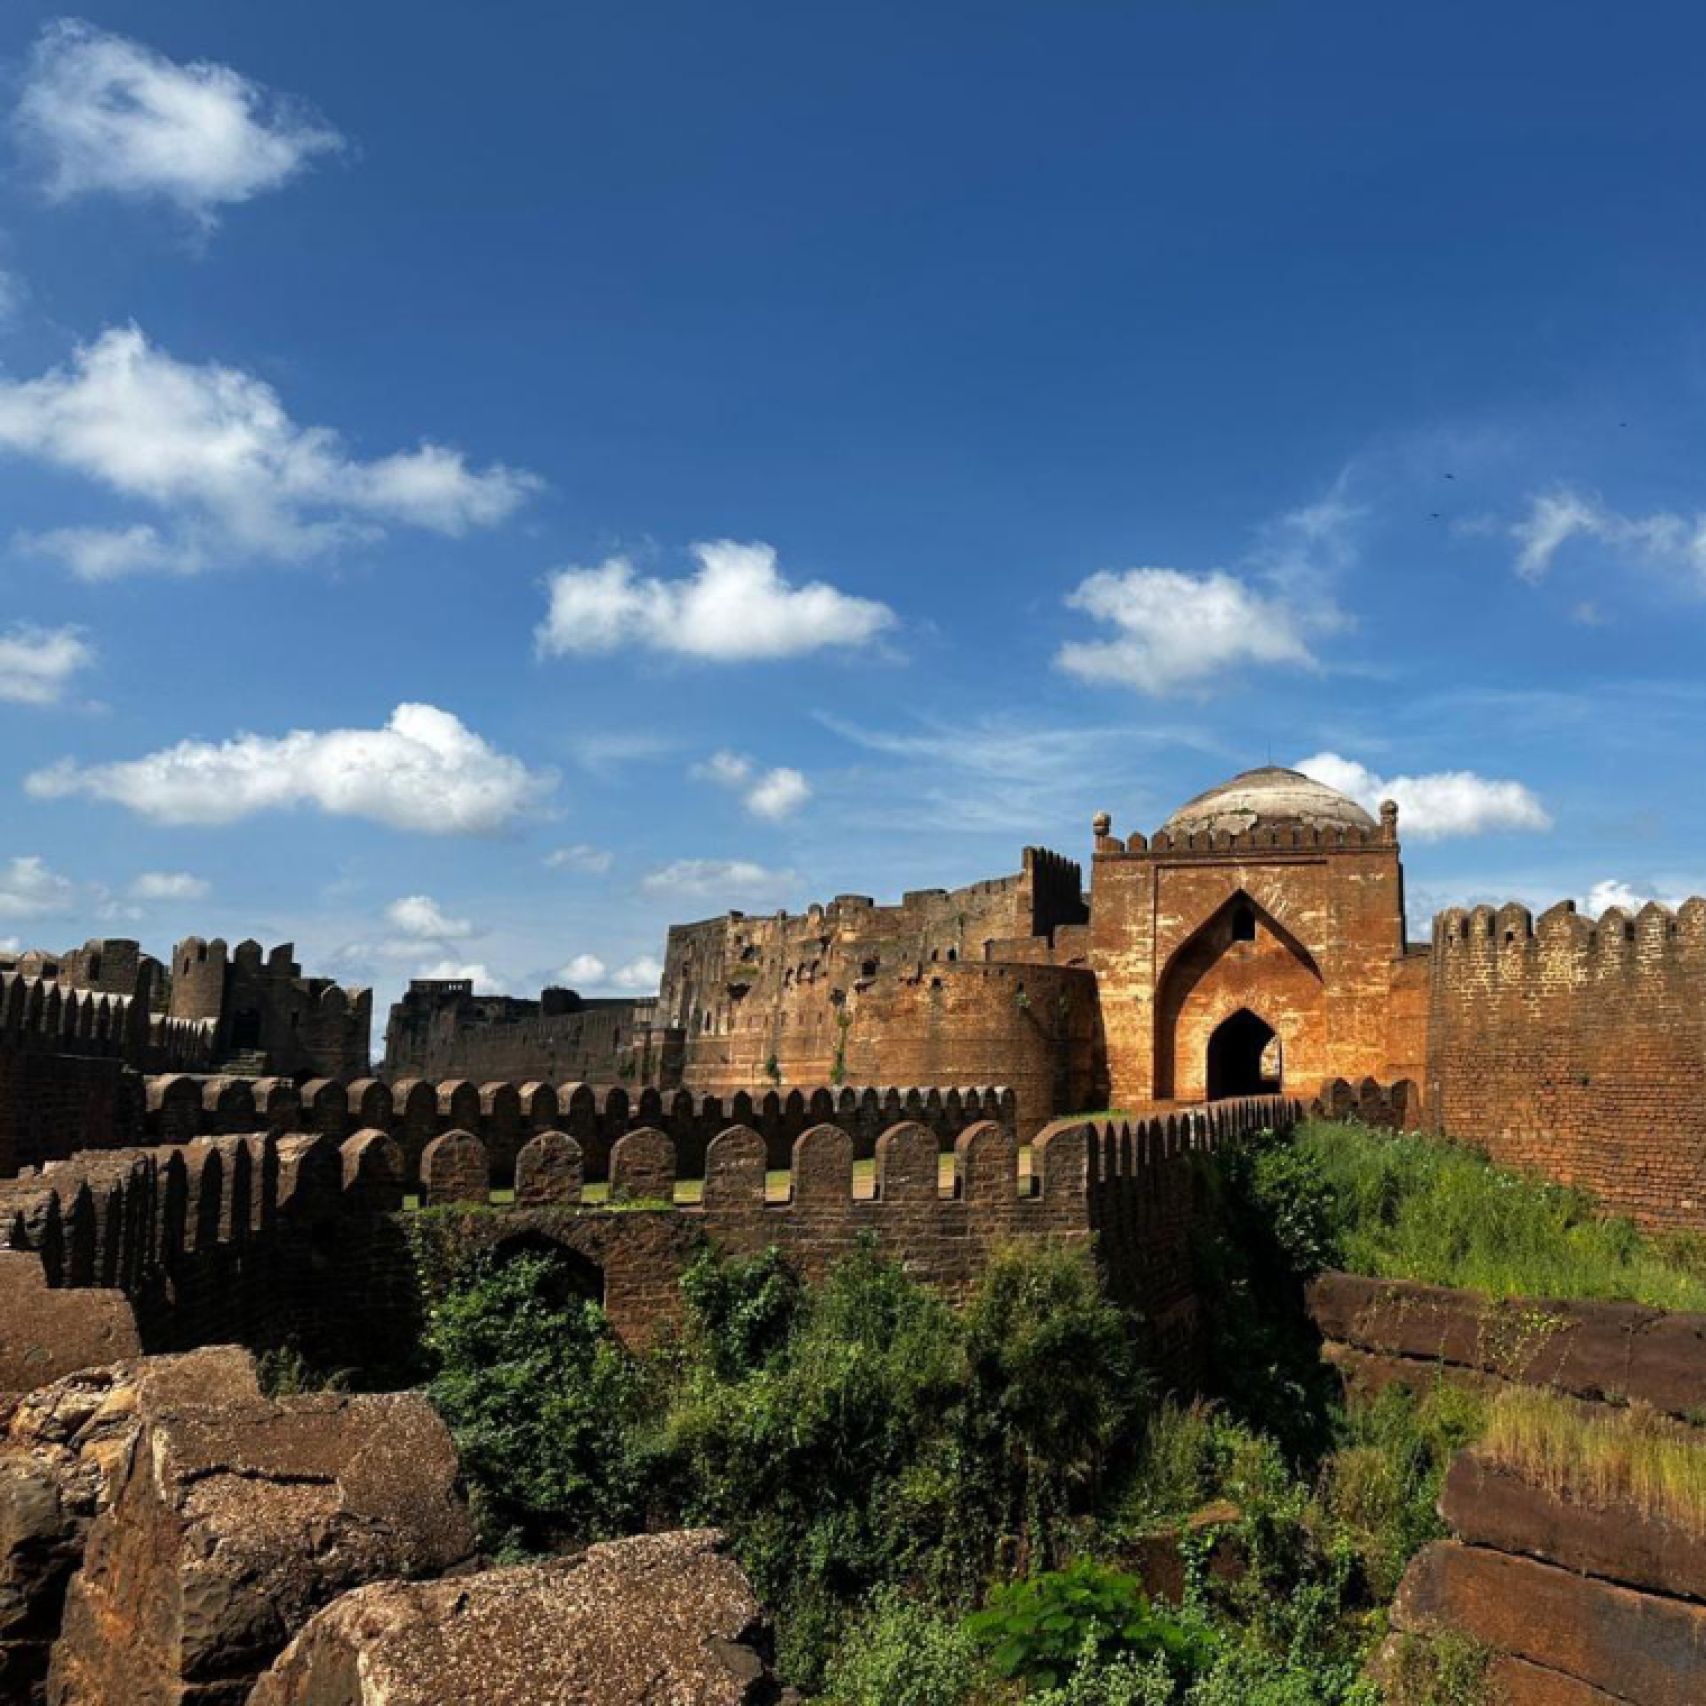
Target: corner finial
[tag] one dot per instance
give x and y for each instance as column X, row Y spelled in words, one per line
column 1101, row 824
column 1389, row 819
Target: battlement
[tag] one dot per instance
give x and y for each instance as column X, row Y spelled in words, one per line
column 261, row 1005
column 1654, row 936
column 1266, row 841
column 98, row 1026
column 504, row 1115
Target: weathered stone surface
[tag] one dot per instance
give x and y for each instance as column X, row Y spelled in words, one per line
column 1637, row 1647
column 230, row 1525
column 658, row 1620
column 45, row 1332
column 57, row 1462
column 1489, row 1506
column 548, row 1170
column 1618, row 1351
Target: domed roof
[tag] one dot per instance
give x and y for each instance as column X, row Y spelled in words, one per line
column 1263, row 799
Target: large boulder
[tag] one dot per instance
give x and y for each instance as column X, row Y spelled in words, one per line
column 47, row 1331
column 658, row 1620
column 58, row 1456
column 230, row 1524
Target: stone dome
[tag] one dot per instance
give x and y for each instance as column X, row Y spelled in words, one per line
column 1268, row 798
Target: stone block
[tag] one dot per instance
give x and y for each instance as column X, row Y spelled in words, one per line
column 640, row 1622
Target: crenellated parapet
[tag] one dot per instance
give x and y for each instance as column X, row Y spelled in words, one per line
column 1574, row 1046
column 1265, row 842
column 504, row 1115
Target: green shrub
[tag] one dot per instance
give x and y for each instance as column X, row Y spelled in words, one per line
column 1047, row 1627
column 536, row 1391
column 902, row 1651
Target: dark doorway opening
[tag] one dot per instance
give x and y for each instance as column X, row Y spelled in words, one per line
column 246, row 1028
column 1239, row 1059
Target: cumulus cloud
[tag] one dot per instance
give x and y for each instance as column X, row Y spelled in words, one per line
column 423, row 771
column 102, row 113
column 37, row 664
column 168, row 885
column 737, row 607
column 726, row 878
column 421, row 919
column 641, row 976
column 212, row 449
column 583, row 969
column 1434, row 806
column 29, row 889
column 772, row 794
column 1663, row 538
column 485, row 983
column 1172, row 630
column 580, row 857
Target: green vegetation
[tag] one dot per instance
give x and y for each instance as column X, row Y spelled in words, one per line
column 1411, row 1207
column 989, row 1506
column 1634, row 1457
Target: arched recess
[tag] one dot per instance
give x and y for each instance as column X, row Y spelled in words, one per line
column 1245, row 1058
column 1240, row 957
column 571, row 1274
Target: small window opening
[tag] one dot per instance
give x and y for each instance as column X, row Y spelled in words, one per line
column 1243, row 923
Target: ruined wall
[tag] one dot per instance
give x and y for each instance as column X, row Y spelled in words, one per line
column 267, row 1014
column 442, row 1029
column 924, row 992
column 1577, row 1049
column 1319, row 968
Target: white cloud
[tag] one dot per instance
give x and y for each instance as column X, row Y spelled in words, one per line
column 1612, row 891
column 641, row 976
column 1173, row 630
column 485, row 983
column 10, row 944
column 420, row 918
column 581, row 857
column 36, row 664
column 1663, row 538
column 1440, row 804
column 168, row 885
column 213, row 449
column 730, row 878
column 736, row 607
column 104, row 113
column 28, row 889
column 772, row 794
column 423, row 771
column 583, row 969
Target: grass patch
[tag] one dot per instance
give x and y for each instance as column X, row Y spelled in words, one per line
column 1416, row 1208
column 1591, row 1455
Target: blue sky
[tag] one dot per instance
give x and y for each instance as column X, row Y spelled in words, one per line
column 770, row 451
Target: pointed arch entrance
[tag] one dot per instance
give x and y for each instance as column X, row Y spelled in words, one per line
column 1240, row 960
column 1244, row 1058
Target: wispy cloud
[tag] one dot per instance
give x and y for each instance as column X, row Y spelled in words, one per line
column 101, row 113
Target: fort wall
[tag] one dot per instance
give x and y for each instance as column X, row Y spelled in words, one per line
column 258, row 1239
column 1577, row 1049
column 70, row 1064
column 504, row 1115
column 442, row 1029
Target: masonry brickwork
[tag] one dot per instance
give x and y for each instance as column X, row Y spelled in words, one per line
column 1577, row 1049
column 442, row 1029
column 267, row 1016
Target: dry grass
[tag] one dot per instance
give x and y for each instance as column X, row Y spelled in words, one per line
column 1592, row 1455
